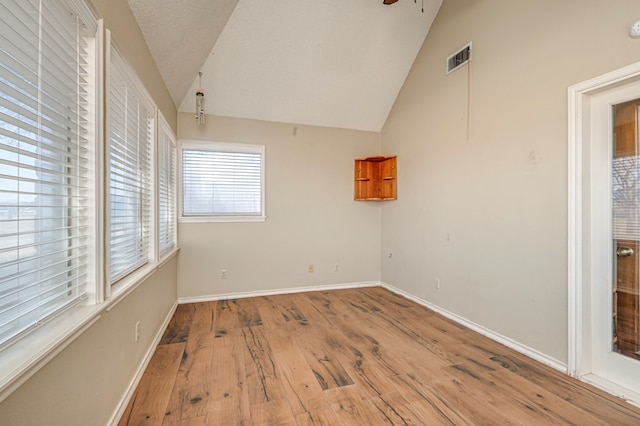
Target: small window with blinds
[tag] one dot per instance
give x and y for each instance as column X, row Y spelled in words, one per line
column 222, row 182
column 131, row 122
column 166, row 189
column 47, row 160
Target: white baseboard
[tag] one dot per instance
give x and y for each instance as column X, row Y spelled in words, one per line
column 124, row 401
column 508, row 342
column 225, row 296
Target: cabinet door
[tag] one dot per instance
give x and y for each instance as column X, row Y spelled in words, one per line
column 388, row 175
column 361, row 183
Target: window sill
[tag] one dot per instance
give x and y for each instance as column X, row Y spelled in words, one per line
column 26, row 356
column 206, row 219
column 165, row 257
column 128, row 284
column 21, row 360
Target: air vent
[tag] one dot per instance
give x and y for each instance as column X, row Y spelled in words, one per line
column 459, row 58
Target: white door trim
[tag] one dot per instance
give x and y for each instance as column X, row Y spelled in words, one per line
column 579, row 362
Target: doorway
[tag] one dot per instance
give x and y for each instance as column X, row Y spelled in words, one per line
column 625, row 204
column 604, row 232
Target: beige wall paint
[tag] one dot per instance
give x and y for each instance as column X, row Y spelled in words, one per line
column 311, row 215
column 486, row 212
column 84, row 383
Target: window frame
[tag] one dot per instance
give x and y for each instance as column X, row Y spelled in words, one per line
column 29, row 352
column 163, row 127
column 116, row 289
column 214, row 146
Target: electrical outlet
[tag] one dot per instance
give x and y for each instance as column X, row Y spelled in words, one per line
column 223, row 274
column 634, row 31
column 310, row 268
column 336, row 268
column 437, row 281
column 137, row 330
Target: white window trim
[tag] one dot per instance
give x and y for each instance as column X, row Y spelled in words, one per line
column 31, row 352
column 115, row 291
column 28, row 354
column 19, row 362
column 162, row 125
column 206, row 219
column 189, row 144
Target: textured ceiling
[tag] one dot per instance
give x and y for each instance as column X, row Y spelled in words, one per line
column 180, row 35
column 335, row 63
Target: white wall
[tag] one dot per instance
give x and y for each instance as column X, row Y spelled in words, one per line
column 486, row 212
column 311, row 215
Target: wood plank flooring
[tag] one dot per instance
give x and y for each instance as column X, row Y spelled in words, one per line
column 350, row 357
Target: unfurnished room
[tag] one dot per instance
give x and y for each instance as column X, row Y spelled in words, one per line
column 339, row 212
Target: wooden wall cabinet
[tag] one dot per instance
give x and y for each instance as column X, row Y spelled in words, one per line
column 375, row 178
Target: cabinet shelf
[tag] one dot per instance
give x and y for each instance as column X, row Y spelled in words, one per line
column 375, row 179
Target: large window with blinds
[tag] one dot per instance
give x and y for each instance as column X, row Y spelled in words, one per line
column 131, row 127
column 47, row 160
column 222, row 181
column 166, row 189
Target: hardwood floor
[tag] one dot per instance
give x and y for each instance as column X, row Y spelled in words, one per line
column 350, row 357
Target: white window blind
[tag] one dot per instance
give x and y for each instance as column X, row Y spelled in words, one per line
column 47, row 128
column 166, row 189
column 131, row 121
column 222, row 180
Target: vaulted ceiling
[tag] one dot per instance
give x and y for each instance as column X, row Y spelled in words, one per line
column 334, row 63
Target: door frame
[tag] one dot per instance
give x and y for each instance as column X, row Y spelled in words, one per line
column 579, row 363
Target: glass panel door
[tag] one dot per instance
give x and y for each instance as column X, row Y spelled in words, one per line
column 625, row 195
